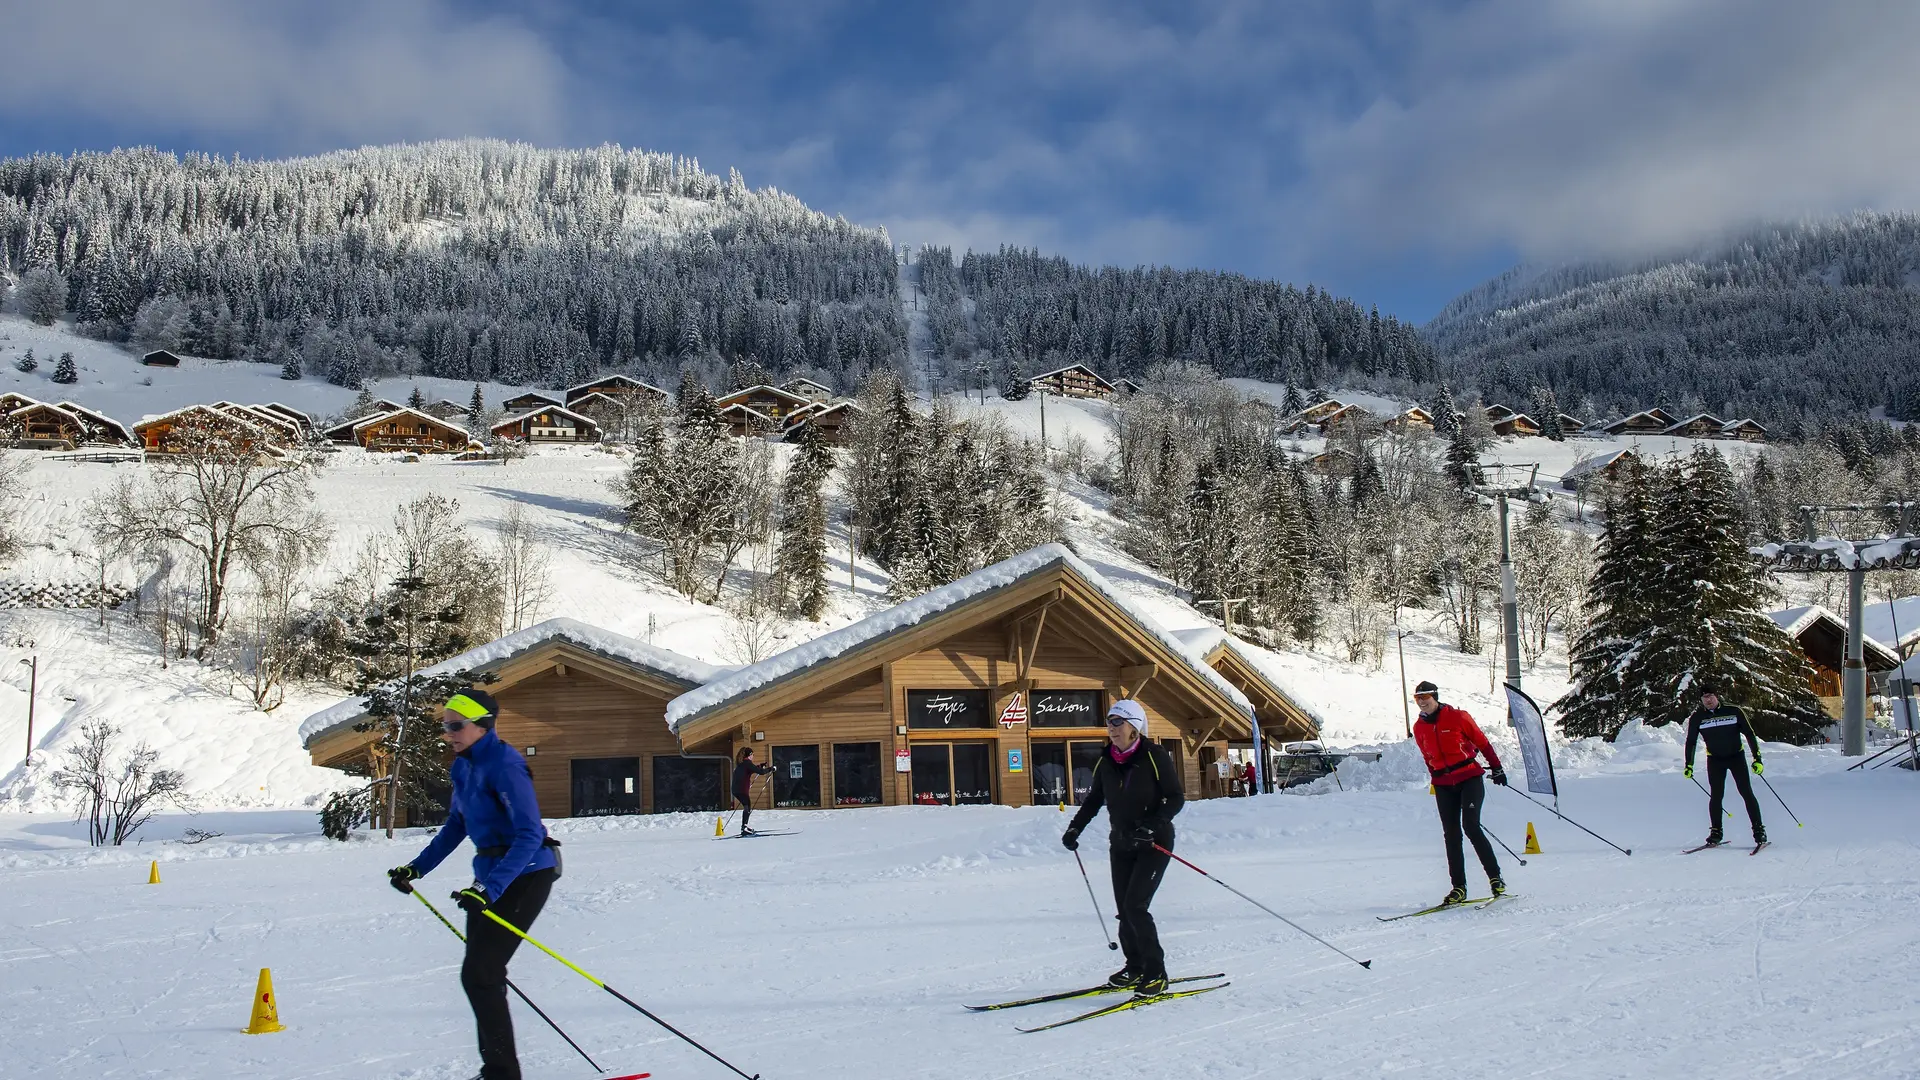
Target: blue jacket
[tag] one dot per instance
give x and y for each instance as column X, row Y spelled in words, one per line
column 492, row 803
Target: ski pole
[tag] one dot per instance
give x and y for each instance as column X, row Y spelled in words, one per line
column 1782, row 802
column 1363, row 963
column 522, row 994
column 1503, row 844
column 1709, row 794
column 636, row 1006
column 1556, row 813
column 1111, row 944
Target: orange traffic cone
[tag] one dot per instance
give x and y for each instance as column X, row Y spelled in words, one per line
column 153, row 874
column 1533, row 842
column 266, row 1016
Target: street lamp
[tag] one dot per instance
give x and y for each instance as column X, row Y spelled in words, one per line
column 33, row 688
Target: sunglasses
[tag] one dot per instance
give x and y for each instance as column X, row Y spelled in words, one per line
column 451, row 726
column 1117, row 721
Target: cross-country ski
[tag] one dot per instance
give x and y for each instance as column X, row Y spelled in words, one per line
column 1091, row 991
column 1136, row 1002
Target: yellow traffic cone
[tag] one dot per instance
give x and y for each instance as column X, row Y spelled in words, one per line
column 1533, row 842
column 1063, row 806
column 719, row 826
column 266, row 1017
column 153, row 875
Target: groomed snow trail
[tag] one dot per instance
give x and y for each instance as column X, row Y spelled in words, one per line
column 847, row 951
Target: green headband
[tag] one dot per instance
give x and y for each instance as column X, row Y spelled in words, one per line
column 468, row 707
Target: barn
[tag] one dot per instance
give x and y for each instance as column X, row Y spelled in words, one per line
column 160, row 358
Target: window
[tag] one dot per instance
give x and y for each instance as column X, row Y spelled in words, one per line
column 420, row 429
column 604, row 786
column 1048, row 765
column 681, row 784
column 856, row 774
column 796, row 776
column 1085, row 756
column 1066, row 708
column 952, row 774
column 942, row 709
column 932, row 774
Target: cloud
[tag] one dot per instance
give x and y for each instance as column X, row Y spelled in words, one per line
column 308, row 75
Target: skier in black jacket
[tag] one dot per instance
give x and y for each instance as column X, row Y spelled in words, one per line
column 1722, row 726
column 1138, row 784
column 743, row 773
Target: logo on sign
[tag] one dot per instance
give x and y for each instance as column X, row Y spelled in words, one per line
column 1015, row 711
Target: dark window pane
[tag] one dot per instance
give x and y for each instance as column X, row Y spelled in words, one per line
column 1085, row 756
column 688, row 784
column 606, row 786
column 973, row 772
column 1066, row 708
column 796, row 776
column 932, row 779
column 940, row 709
column 1049, row 768
column 856, row 774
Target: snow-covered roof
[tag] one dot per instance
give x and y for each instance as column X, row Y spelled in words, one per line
column 605, row 379
column 1203, row 640
column 1072, row 367
column 1000, row 575
column 749, row 391
column 752, row 412
column 166, row 417
column 403, row 411
column 1594, row 464
column 1514, row 418
column 99, row 418
column 1657, row 415
column 1709, row 418
column 561, row 409
column 810, row 382
column 1896, row 622
column 592, row 639
column 1734, row 425
column 819, row 409
column 1796, row 620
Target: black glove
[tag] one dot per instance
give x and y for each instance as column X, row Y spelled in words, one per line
column 1142, row 837
column 1499, row 775
column 1071, row 838
column 401, row 878
column 472, row 899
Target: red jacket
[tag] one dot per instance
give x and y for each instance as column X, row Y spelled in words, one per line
column 1448, row 740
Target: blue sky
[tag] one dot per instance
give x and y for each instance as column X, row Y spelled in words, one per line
column 1397, row 151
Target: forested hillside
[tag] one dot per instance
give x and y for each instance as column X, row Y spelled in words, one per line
column 470, row 260
column 1783, row 324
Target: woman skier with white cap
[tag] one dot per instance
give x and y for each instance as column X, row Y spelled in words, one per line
column 1136, row 780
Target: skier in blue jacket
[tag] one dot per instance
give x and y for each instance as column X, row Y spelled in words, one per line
column 514, row 865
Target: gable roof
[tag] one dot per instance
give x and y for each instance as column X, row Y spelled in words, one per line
column 1745, row 422
column 661, row 663
column 543, row 396
column 12, row 400
column 47, row 406
column 1884, row 619
column 1594, row 464
column 752, row 414
column 1072, row 367
column 810, row 382
column 1656, row 414
column 851, row 645
column 1813, row 618
column 1210, row 642
column 244, row 420
column 1343, row 410
column 377, row 418
column 605, row 379
column 1498, row 412
column 737, row 396
column 561, row 409
column 99, row 418
column 1711, row 419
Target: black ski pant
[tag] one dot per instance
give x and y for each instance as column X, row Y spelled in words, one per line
column 1718, row 766
column 484, row 974
column 1460, row 813
column 1136, row 877
column 746, row 808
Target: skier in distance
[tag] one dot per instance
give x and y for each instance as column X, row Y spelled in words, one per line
column 1450, row 740
column 1135, row 779
column 744, row 770
column 514, row 865
column 1721, row 726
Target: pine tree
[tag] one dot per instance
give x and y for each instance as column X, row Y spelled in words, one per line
column 1620, row 611
column 1463, row 461
column 416, row 400
column 27, row 362
column 801, row 560
column 290, row 368
column 1294, row 403
column 362, row 404
column 64, row 372
column 476, row 410
column 1446, row 417
column 1550, row 425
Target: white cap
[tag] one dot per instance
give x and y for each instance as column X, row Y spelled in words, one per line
column 1130, row 711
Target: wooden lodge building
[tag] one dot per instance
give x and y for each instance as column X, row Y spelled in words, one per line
column 411, row 431
column 1697, row 426
column 992, row 689
column 618, row 386
column 1315, row 414
column 770, row 402
column 827, row 420
column 745, row 422
column 1646, row 422
column 41, row 426
column 163, row 434
column 1517, row 424
column 160, row 358
column 530, row 401
column 1412, row 419
column 1074, row 380
column 1822, row 638
column 1345, row 417
column 809, row 389
column 549, row 424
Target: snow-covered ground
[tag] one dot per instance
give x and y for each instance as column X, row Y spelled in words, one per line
column 848, row 950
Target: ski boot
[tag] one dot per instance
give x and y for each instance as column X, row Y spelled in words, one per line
column 1759, row 835
column 1498, row 885
column 1457, row 896
column 1124, row 978
column 1714, row 839
column 1149, row 985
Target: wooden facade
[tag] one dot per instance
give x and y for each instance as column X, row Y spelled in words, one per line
column 826, row 420
column 300, row 419
column 809, row 389
column 410, row 431
column 447, row 410
column 285, row 431
column 1571, row 425
column 1647, row 422
column 549, row 424
column 746, row 423
column 617, row 386
column 1600, row 467
column 99, row 429
column 1074, row 380
column 41, row 426
column 1698, row 426
column 1346, row 417
column 1822, row 638
column 530, row 401
column 1497, row 413
column 1413, row 419
column 768, row 401
column 1518, row 424
column 160, row 358
column 1314, row 414
column 163, row 434
column 1743, row 430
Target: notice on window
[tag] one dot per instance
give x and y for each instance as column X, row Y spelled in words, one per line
column 902, row 760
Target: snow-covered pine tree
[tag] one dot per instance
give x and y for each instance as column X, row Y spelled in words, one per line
column 26, row 361
column 1621, row 611
column 290, row 369
column 1550, row 425
column 362, row 404
column 801, row 559
column 1463, row 461
column 64, row 372
column 1294, row 403
column 415, row 399
column 1446, row 416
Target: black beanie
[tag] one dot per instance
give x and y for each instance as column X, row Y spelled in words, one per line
column 1425, row 686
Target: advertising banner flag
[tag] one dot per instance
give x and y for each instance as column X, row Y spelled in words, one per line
column 1531, row 727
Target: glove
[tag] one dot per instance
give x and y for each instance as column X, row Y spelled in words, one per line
column 472, row 899
column 1142, row 837
column 1687, row 772
column 1071, row 839
column 1498, row 775
column 401, row 878
column 1757, row 766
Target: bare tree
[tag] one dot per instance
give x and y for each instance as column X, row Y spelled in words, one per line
column 116, row 800
column 13, row 471
column 755, row 496
column 269, row 639
column 220, row 495
column 525, row 581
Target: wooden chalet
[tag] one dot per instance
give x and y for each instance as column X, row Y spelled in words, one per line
column 160, row 358
column 1414, row 419
column 11, row 401
column 1571, row 425
column 1344, row 417
column 1074, row 380
column 1605, row 466
column 1743, row 430
column 1314, row 414
column 1698, row 426
column 99, row 429
column 1645, row 422
column 447, row 410
column 809, row 389
column 586, row 706
column 285, row 431
column 342, row 432
column 1281, row 716
column 301, row 420
column 549, row 424
column 744, row 422
column 411, row 431
column 163, row 434
column 603, row 410
column 617, row 386
column 1517, row 424
column 1497, row 413
column 768, row 401
column 530, row 401
column 1334, row 462
column 827, row 420
column 42, row 426
column 1126, row 386
column 1822, row 638
column 992, row 689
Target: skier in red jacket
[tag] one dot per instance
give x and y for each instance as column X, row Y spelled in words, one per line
column 1449, row 740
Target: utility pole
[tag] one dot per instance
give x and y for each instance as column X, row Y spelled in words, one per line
column 1042, row 391
column 1399, row 642
column 1509, row 595
column 33, row 691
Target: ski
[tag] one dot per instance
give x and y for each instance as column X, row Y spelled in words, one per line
column 1702, row 847
column 631, row 1076
column 1131, row 1003
column 1758, row 846
column 751, row 835
column 1438, row 907
column 1091, row 991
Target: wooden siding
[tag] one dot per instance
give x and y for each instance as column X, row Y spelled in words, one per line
column 581, row 715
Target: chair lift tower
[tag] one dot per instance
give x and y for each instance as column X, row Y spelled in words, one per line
column 1498, row 483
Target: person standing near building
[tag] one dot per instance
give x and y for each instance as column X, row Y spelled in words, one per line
column 514, row 865
column 1722, row 727
column 1137, row 782
column 744, row 770
column 1451, row 743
